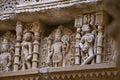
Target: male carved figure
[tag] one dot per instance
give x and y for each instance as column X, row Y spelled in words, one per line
column 26, row 54
column 57, row 49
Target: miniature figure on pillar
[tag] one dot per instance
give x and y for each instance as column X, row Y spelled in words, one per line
column 26, row 53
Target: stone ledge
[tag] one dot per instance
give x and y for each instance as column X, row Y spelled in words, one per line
column 19, row 73
column 50, row 5
column 77, row 68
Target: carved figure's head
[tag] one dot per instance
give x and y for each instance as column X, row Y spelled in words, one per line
column 27, row 36
column 58, row 35
column 49, row 39
column 5, row 45
column 85, row 28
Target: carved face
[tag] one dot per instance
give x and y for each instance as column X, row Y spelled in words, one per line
column 58, row 35
column 85, row 28
column 5, row 45
column 57, row 38
column 27, row 36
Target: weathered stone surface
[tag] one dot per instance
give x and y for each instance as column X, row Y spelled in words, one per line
column 56, row 40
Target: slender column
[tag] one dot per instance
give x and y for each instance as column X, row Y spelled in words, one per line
column 78, row 24
column 36, row 44
column 99, row 22
column 17, row 45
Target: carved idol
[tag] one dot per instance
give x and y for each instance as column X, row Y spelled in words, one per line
column 7, row 51
column 86, row 45
column 57, row 49
column 26, row 54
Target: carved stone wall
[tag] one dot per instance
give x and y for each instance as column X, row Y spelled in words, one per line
column 88, row 45
column 53, row 52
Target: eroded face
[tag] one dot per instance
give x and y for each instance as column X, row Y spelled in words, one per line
column 85, row 28
column 57, row 38
column 27, row 36
column 5, row 45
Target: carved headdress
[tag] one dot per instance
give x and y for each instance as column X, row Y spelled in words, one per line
column 58, row 32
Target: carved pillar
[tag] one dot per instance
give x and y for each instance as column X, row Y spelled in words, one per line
column 99, row 23
column 78, row 24
column 36, row 44
column 17, row 45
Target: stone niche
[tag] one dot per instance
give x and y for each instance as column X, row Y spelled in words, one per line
column 57, row 49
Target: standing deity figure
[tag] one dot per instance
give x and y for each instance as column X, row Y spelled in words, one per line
column 6, row 54
column 86, row 45
column 26, row 54
column 57, row 49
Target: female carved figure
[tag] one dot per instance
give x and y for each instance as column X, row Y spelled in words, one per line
column 5, row 56
column 86, row 45
column 26, row 54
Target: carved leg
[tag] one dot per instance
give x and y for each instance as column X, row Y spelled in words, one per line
column 28, row 64
column 90, row 57
column 63, row 65
column 23, row 66
column 55, row 64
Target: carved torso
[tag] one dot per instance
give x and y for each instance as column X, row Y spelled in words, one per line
column 25, row 49
column 87, row 40
column 57, row 51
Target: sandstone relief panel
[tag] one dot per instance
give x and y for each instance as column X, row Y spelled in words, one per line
column 64, row 47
